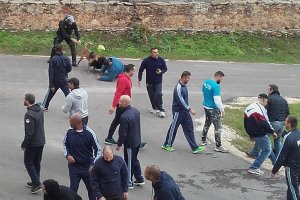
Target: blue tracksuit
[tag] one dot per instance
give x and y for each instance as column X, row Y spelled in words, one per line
column 113, row 71
column 181, row 116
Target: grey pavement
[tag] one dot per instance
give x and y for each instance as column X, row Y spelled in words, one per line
column 209, row 175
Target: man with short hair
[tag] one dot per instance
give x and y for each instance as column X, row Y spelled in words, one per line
column 113, row 66
column 214, row 109
column 81, row 149
column 59, row 67
column 257, row 125
column 181, row 116
column 34, row 141
column 165, row 188
column 155, row 68
column 110, row 177
column 77, row 100
column 290, row 158
column 130, row 137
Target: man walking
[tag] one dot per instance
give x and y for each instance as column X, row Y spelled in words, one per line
column 290, row 158
column 81, row 149
column 33, row 142
column 110, row 177
column 155, row 68
column 59, row 67
column 258, row 127
column 76, row 101
column 163, row 184
column 181, row 116
column 130, row 137
column 214, row 109
column 64, row 32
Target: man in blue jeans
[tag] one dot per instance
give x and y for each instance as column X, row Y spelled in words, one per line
column 257, row 125
column 110, row 69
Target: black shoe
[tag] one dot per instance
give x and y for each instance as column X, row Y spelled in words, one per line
column 74, row 64
column 29, row 184
column 143, row 144
column 139, row 183
column 35, row 189
column 110, row 141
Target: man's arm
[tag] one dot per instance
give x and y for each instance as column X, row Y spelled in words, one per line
column 123, row 129
column 68, row 104
column 165, row 194
column 164, row 66
column 77, row 34
column 96, row 146
column 66, row 146
column 281, row 159
column 95, row 176
column 29, row 131
column 68, row 66
column 217, row 98
column 179, row 99
column 51, row 72
column 141, row 70
column 124, row 177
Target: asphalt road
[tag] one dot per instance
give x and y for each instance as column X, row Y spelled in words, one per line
column 209, row 175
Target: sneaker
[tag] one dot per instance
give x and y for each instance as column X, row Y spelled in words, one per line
column 168, row 148
column 45, row 109
column 74, row 64
column 221, row 149
column 199, row 149
column 203, row 143
column 255, row 171
column 130, row 187
column 249, row 154
column 143, row 144
column 162, row 114
column 110, row 141
column 29, row 184
column 153, row 111
column 139, row 183
column 35, row 189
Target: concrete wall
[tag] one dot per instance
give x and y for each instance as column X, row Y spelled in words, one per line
column 218, row 15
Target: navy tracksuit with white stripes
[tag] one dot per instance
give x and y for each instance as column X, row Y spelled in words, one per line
column 181, row 116
column 290, row 158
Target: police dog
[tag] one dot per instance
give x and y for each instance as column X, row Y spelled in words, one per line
column 86, row 53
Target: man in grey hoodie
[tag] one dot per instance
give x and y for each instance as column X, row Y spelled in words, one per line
column 77, row 100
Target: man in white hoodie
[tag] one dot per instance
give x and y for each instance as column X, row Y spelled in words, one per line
column 77, row 100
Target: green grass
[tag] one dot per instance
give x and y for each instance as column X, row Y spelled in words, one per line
column 235, row 119
column 243, row 47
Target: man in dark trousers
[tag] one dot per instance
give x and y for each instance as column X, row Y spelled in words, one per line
column 110, row 177
column 64, row 32
column 155, row 68
column 59, row 67
column 181, row 116
column 34, row 141
column 81, row 149
column 290, row 158
column 130, row 137
column 163, row 184
column 53, row 191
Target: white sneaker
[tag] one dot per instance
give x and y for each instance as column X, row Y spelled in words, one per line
column 162, row 114
column 153, row 111
column 221, row 149
column 255, row 171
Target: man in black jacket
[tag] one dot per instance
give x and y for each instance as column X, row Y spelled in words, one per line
column 163, row 184
column 33, row 142
column 64, row 32
column 59, row 67
column 53, row 191
column 109, row 177
column 130, row 137
column 290, row 158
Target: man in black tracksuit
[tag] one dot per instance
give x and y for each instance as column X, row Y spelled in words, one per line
column 290, row 158
column 59, row 67
column 34, row 141
column 130, row 137
column 64, row 32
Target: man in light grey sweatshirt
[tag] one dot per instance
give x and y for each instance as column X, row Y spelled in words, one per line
column 77, row 100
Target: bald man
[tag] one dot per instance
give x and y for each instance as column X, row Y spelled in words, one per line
column 81, row 149
column 110, row 177
column 130, row 137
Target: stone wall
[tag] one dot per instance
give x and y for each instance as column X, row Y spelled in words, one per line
column 218, row 15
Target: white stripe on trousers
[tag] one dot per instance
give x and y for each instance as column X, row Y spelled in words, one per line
column 171, row 133
column 46, row 97
column 129, row 156
column 288, row 174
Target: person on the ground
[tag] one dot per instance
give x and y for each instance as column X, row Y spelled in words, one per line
column 182, row 116
column 59, row 67
column 110, row 177
column 155, row 68
column 130, row 137
column 113, row 66
column 258, row 127
column 76, row 101
column 53, row 191
column 123, row 87
column 81, row 149
column 214, row 109
column 64, row 32
column 163, row 184
column 34, row 141
column 290, row 158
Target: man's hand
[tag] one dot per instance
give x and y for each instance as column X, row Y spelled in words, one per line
column 23, row 148
column 90, row 169
column 98, row 76
column 274, row 135
column 139, row 84
column 273, row 175
column 74, row 40
column 102, row 198
column 70, row 159
column 52, row 89
column 192, row 111
column 78, row 42
column 125, row 195
column 223, row 113
column 111, row 110
column 118, row 148
column 158, row 71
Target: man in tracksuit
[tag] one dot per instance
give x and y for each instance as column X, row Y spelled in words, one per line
column 33, row 142
column 290, row 158
column 181, row 116
column 81, row 149
column 110, row 177
column 64, row 32
column 59, row 67
column 130, row 137
column 155, row 68
column 113, row 66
